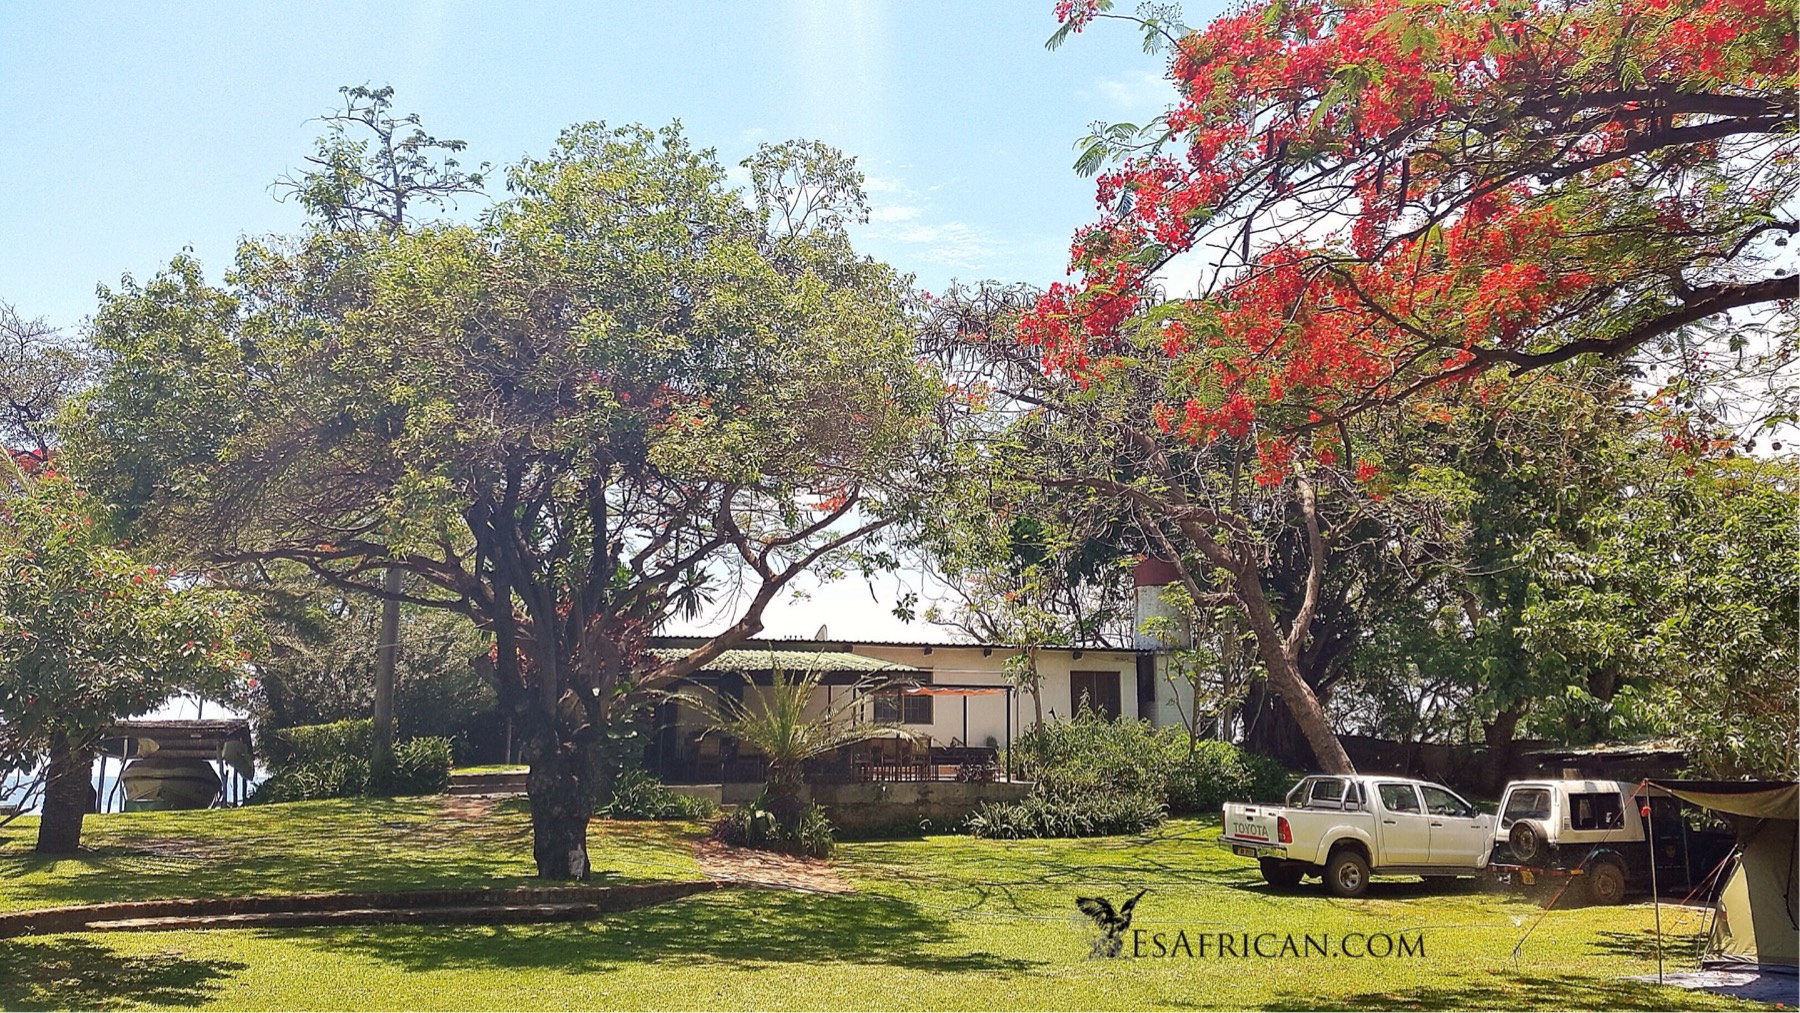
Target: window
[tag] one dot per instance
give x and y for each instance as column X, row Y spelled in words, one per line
column 1398, row 798
column 887, row 707
column 1096, row 691
column 897, row 707
column 1443, row 802
column 1598, row 810
column 915, row 709
column 1526, row 804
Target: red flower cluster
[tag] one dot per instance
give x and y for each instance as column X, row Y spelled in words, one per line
column 1448, row 250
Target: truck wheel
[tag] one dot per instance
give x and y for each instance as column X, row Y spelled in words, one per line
column 1605, row 882
column 1347, row 873
column 1276, row 872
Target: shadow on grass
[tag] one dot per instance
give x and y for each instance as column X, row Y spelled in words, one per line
column 68, row 973
column 342, row 845
column 748, row 928
column 1642, row 944
column 1559, row 992
column 1380, row 889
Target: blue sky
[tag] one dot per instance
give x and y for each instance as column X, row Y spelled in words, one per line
column 128, row 132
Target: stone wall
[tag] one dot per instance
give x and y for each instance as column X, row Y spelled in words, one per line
column 871, row 808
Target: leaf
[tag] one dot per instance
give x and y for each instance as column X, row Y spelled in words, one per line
column 1092, row 158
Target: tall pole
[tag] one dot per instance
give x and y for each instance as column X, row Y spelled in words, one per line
column 387, row 650
column 1655, row 897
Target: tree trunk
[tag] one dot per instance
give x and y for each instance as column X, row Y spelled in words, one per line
column 68, row 795
column 1498, row 734
column 564, row 786
column 387, row 652
column 782, row 790
column 1284, row 677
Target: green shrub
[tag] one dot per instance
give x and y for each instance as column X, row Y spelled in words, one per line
column 332, row 761
column 753, row 825
column 638, row 795
column 328, row 777
column 1219, row 772
column 1094, row 776
column 304, row 745
column 1049, row 815
column 421, row 767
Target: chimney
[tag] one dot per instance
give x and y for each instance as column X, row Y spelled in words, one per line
column 1148, row 579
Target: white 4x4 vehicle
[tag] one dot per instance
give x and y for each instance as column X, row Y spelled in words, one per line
column 1597, row 830
column 1346, row 829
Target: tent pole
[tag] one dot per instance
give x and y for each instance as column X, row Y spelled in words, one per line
column 1655, row 897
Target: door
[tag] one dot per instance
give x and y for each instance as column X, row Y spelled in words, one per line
column 1460, row 833
column 1404, row 827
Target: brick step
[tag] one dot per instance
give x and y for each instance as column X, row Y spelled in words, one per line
column 503, row 782
column 511, row 904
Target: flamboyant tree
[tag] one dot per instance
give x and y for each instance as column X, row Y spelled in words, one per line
column 1387, row 199
column 1242, row 532
column 90, row 634
column 1396, row 194
column 626, row 389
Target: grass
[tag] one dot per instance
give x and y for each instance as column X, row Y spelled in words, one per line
column 300, row 847
column 937, row 922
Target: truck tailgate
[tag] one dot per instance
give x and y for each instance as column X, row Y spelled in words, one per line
column 1249, row 823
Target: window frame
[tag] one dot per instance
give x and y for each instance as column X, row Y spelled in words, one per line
column 1110, row 706
column 1381, row 789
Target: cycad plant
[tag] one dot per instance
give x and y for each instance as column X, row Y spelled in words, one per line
column 775, row 722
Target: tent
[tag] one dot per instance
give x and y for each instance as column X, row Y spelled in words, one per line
column 1757, row 922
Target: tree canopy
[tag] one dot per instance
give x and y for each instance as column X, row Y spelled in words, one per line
column 627, row 390
column 90, row 634
column 1392, row 195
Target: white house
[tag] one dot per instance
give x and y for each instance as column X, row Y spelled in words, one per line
column 952, row 696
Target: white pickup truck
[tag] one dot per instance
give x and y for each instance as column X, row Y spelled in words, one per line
column 1345, row 829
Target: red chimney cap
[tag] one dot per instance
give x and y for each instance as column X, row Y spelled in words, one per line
column 1153, row 572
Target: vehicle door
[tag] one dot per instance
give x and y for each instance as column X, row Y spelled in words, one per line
column 1404, row 829
column 1460, row 833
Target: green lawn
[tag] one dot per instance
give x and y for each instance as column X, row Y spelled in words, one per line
column 939, row 922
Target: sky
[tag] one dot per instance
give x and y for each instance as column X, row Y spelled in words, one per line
column 129, row 133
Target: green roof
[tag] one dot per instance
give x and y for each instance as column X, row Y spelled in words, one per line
column 787, row 661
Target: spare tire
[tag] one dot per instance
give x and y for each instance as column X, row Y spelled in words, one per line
column 1528, row 841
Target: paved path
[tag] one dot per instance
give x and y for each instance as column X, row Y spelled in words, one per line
column 767, row 868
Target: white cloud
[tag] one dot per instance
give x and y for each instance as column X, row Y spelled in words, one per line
column 1141, row 94
column 903, row 214
column 894, row 213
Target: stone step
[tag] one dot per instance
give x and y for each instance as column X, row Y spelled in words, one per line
column 499, row 782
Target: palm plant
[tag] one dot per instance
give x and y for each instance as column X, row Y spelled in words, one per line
column 776, row 724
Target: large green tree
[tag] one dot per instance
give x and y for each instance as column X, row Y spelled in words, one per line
column 627, row 388
column 1689, row 584
column 89, row 634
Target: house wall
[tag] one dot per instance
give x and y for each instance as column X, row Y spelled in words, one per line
column 988, row 714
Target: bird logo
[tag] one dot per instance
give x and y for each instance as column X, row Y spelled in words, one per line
column 1112, row 924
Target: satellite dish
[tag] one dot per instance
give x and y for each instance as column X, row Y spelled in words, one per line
column 823, row 634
